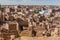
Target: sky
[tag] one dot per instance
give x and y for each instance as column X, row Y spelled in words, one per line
column 30, row 2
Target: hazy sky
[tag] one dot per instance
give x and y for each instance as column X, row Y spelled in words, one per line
column 30, row 2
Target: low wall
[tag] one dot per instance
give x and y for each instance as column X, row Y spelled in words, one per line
column 38, row 38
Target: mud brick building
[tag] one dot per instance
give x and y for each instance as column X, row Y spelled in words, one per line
column 10, row 30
